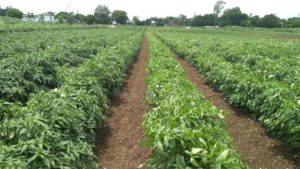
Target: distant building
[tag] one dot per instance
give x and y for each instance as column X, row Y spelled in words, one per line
column 48, row 17
column 153, row 23
column 28, row 17
column 44, row 17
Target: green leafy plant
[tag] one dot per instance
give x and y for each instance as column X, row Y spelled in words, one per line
column 258, row 74
column 183, row 129
column 56, row 127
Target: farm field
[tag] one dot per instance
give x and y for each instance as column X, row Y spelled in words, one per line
column 137, row 97
column 53, row 125
column 259, row 74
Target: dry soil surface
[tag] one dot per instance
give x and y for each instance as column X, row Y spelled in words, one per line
column 118, row 142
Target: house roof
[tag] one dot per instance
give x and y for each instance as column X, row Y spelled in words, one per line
column 46, row 14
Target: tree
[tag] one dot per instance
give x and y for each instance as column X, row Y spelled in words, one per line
column 182, row 19
column 205, row 20
column 120, row 16
column 102, row 15
column 293, row 22
column 136, row 20
column 79, row 18
column 254, row 20
column 218, row 8
column 14, row 12
column 90, row 19
column 270, row 21
column 172, row 21
column 65, row 17
column 233, row 16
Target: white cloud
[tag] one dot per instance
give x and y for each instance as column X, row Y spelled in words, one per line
column 160, row 8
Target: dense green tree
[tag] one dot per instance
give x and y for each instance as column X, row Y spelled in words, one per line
column 136, row 20
column 270, row 21
column 233, row 16
column 293, row 22
column 218, row 8
column 102, row 15
column 79, row 18
column 61, row 17
column 172, row 21
column 254, row 20
column 119, row 16
column 90, row 19
column 65, row 17
column 205, row 20
column 14, row 12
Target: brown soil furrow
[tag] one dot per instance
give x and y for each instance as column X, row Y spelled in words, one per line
column 118, row 142
column 251, row 141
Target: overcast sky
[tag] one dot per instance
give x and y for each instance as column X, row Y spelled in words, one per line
column 159, row 8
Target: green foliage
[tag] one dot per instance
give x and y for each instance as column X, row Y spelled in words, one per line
column 33, row 67
column 233, row 16
column 219, row 6
column 293, row 23
column 90, row 19
column 205, row 20
column 102, row 15
column 254, row 20
column 65, row 17
column 183, row 129
column 270, row 21
column 13, row 12
column 120, row 16
column 251, row 72
column 56, row 128
column 136, row 20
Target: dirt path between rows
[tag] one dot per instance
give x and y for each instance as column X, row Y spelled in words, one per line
column 255, row 147
column 118, row 142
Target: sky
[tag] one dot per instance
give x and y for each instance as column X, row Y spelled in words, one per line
column 158, row 8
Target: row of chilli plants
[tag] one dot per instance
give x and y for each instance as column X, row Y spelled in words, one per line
column 182, row 128
column 274, row 59
column 274, row 103
column 19, row 43
column 9, row 25
column 56, row 128
column 26, row 73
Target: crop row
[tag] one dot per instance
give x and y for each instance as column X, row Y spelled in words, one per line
column 17, row 44
column 277, row 105
column 9, row 25
column 273, row 59
column 29, row 73
column 183, row 129
column 56, row 128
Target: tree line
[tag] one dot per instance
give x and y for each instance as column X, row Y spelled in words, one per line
column 229, row 17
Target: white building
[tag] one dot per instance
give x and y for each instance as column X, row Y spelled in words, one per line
column 48, row 17
column 153, row 23
column 44, row 17
column 28, row 17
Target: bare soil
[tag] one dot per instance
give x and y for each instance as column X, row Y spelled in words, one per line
column 256, row 148
column 118, row 142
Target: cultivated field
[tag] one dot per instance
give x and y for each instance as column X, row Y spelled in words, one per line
column 127, row 97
